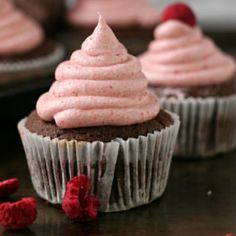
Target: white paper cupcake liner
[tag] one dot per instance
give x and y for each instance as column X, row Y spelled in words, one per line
column 208, row 125
column 124, row 173
column 32, row 64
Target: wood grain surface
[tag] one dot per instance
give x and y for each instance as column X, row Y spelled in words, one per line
column 199, row 201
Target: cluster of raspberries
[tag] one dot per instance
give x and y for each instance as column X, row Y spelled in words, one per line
column 77, row 204
column 16, row 215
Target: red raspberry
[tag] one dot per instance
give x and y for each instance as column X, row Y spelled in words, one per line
column 181, row 12
column 77, row 203
column 8, row 187
column 18, row 215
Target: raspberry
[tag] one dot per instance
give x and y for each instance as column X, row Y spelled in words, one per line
column 181, row 12
column 77, row 204
column 8, row 187
column 18, row 215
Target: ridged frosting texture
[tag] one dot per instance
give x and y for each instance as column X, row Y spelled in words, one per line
column 116, row 12
column 100, row 85
column 18, row 32
column 181, row 55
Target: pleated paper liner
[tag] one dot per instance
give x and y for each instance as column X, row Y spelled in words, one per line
column 124, row 173
column 208, row 125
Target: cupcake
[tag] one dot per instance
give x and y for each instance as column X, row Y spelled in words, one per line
column 195, row 79
column 24, row 50
column 133, row 21
column 99, row 119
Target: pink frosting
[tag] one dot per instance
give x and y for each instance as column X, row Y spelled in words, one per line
column 18, row 32
column 117, row 12
column 100, row 85
column 182, row 56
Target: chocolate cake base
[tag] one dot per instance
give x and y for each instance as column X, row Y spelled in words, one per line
column 46, row 48
column 31, row 65
column 135, row 38
column 216, row 90
column 99, row 133
column 123, row 174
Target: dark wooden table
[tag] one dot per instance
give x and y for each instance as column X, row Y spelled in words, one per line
column 200, row 201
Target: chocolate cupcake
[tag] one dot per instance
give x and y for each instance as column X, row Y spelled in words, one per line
column 133, row 21
column 100, row 120
column 197, row 80
column 24, row 50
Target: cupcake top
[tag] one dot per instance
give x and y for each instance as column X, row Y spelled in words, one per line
column 120, row 13
column 100, row 85
column 181, row 55
column 18, row 32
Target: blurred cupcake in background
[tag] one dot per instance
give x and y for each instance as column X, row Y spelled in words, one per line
column 195, row 79
column 99, row 119
column 133, row 21
column 47, row 12
column 24, row 50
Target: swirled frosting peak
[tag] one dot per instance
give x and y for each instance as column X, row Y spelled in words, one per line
column 18, row 32
column 100, row 85
column 181, row 55
column 119, row 13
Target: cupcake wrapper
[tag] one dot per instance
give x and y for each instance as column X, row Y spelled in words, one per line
column 208, row 125
column 124, row 173
column 37, row 63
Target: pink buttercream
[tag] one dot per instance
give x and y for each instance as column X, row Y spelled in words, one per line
column 18, row 32
column 181, row 56
column 119, row 13
column 100, row 85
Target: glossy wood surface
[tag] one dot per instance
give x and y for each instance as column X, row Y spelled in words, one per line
column 200, row 201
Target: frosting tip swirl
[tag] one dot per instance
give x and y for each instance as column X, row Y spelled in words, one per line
column 102, row 39
column 19, row 33
column 180, row 55
column 101, row 84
